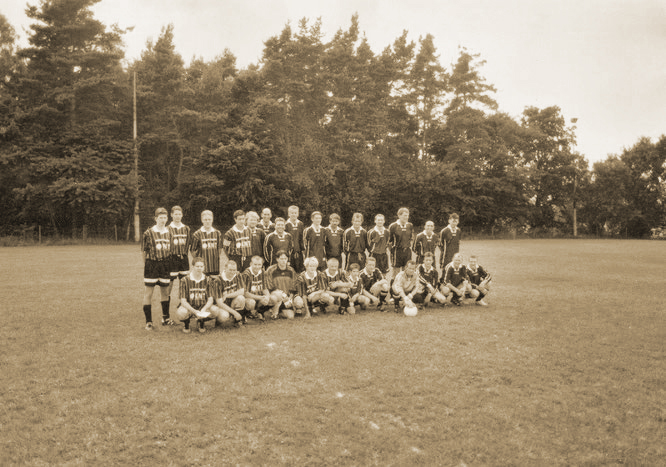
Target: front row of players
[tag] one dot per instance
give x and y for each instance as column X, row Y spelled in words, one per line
column 281, row 292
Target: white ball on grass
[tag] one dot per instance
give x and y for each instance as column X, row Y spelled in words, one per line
column 410, row 311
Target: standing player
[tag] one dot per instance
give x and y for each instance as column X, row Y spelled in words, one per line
column 266, row 224
column 181, row 239
column 279, row 240
column 237, row 244
column 258, row 299
column 229, row 292
column 156, row 247
column 407, row 287
column 281, row 280
column 449, row 240
column 207, row 243
column 401, row 237
column 312, row 289
column 378, row 238
column 455, row 283
column 313, row 240
column 355, row 242
column 196, row 299
column 374, row 283
column 295, row 227
column 479, row 279
column 426, row 242
column 429, row 277
column 257, row 235
column 333, row 238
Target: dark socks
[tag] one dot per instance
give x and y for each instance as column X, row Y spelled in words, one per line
column 148, row 312
column 165, row 309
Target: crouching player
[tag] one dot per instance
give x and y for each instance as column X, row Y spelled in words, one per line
column 429, row 278
column 479, row 279
column 229, row 292
column 312, row 289
column 375, row 286
column 196, row 298
column 337, row 284
column 258, row 299
column 407, row 288
column 281, row 282
column 455, row 283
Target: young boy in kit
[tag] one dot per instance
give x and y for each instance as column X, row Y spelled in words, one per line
column 374, row 283
column 196, row 299
column 426, row 242
column 355, row 242
column 449, row 240
column 455, row 282
column 257, row 235
column 429, row 277
column 401, row 237
column 333, row 238
column 479, row 279
column 407, row 289
column 278, row 240
column 156, row 251
column 356, row 294
column 237, row 245
column 181, row 239
column 337, row 283
column 207, row 244
column 281, row 280
column 229, row 292
column 312, row 289
column 295, row 227
column 258, row 299
column 378, row 239
column 314, row 240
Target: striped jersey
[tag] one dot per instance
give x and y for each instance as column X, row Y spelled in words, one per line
column 226, row 286
column 274, row 243
column 454, row 276
column 296, row 230
column 401, row 236
column 196, row 292
column 329, row 278
column 378, row 240
column 207, row 244
column 333, row 241
column 424, row 244
column 308, row 284
column 257, row 239
column 281, row 279
column 313, row 243
column 254, row 283
column 237, row 242
column 181, row 239
column 355, row 241
column 156, row 243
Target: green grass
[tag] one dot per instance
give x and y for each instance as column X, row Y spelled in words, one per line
column 566, row 366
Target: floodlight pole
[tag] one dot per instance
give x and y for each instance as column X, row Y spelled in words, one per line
column 575, row 223
column 137, row 220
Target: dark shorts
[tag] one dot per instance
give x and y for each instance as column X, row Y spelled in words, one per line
column 401, row 256
column 382, row 262
column 242, row 262
column 418, row 298
column 358, row 258
column 296, row 261
column 157, row 273
column 180, row 266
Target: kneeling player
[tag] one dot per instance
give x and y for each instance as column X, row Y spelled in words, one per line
column 357, row 294
column 455, row 283
column 479, row 279
column 196, row 299
column 312, row 289
column 229, row 292
column 407, row 288
column 281, row 282
column 429, row 277
column 375, row 286
column 258, row 299
column 337, row 284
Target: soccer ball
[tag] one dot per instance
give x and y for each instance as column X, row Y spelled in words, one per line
column 410, row 310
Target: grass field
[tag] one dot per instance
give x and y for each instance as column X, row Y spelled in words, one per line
column 566, row 366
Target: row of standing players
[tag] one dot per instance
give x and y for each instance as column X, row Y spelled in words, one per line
column 275, row 277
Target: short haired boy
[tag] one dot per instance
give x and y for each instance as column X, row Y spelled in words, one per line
column 426, row 242
column 401, row 238
column 266, row 224
column 378, row 239
column 314, row 240
column 258, row 299
column 429, row 277
column 312, row 289
column 337, row 282
column 479, row 279
column 257, row 236
column 407, row 289
column 281, row 279
column 156, row 251
column 295, row 227
column 374, row 284
column 355, row 242
column 196, row 299
column 278, row 240
column 449, row 240
column 356, row 294
column 455, row 282
column 237, row 244
column 207, row 244
column 229, row 292
column 333, row 238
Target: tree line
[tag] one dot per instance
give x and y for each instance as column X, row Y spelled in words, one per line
column 328, row 125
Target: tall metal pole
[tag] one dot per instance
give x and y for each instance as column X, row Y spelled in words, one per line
column 137, row 223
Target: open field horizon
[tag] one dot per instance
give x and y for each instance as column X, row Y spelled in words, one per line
column 566, row 366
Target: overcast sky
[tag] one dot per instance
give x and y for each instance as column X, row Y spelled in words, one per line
column 601, row 61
